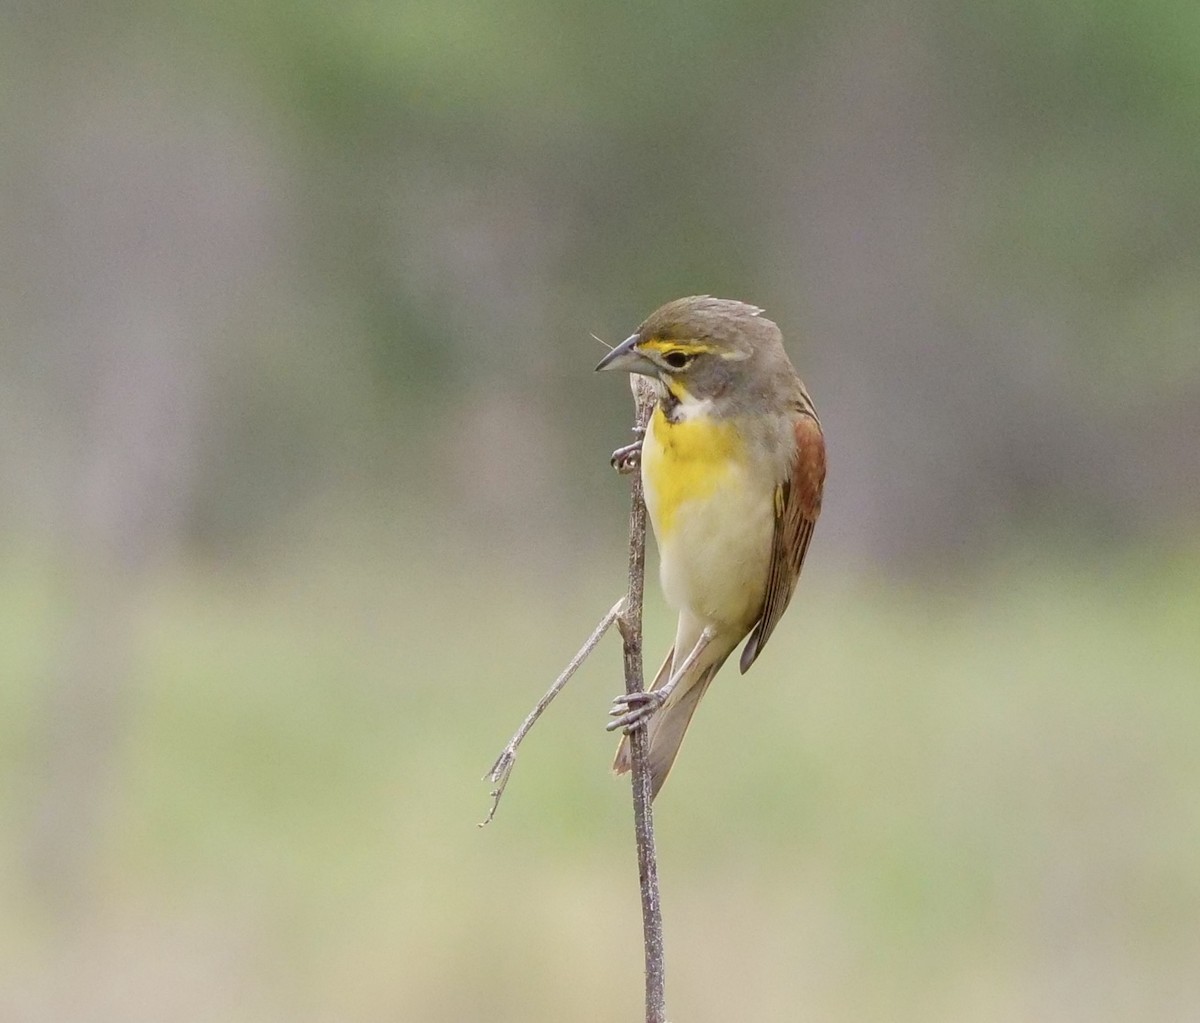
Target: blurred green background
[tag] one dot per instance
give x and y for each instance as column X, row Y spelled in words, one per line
column 306, row 500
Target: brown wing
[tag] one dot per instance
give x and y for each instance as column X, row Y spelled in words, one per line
column 797, row 505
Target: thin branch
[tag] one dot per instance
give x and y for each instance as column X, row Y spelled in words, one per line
column 630, row 626
column 626, row 613
column 503, row 766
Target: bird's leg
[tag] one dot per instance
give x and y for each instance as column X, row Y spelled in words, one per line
column 633, row 710
column 626, row 459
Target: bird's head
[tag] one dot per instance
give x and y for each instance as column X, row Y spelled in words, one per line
column 700, row 348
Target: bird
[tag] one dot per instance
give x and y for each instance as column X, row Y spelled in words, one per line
column 732, row 463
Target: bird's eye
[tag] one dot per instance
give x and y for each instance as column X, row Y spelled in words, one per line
column 677, row 360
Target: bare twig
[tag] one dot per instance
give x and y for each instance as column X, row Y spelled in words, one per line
column 503, row 766
column 630, row 625
column 626, row 613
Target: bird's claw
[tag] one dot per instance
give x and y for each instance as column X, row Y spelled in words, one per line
column 632, row 710
column 626, row 459
column 629, row 456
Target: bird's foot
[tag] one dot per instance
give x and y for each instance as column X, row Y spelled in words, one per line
column 627, row 458
column 632, row 710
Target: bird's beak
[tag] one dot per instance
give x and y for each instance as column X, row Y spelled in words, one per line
column 626, row 357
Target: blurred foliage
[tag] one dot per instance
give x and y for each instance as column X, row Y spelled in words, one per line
column 979, row 804
column 307, row 497
column 977, row 227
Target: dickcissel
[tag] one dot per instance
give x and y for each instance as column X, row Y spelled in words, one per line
column 733, row 465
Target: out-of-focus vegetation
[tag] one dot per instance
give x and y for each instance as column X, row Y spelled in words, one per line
column 980, row 805
column 306, row 499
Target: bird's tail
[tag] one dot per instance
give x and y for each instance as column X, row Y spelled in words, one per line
column 668, row 725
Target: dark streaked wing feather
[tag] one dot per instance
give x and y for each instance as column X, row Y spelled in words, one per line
column 797, row 506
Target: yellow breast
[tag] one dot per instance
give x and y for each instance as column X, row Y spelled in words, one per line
column 683, row 462
column 712, row 510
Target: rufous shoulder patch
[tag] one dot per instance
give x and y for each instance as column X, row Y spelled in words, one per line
column 808, row 476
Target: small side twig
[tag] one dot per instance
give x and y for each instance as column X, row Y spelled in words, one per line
column 503, row 766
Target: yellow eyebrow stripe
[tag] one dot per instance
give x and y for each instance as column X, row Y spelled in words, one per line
column 662, row 346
